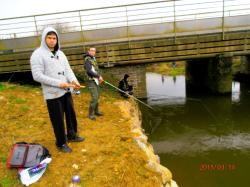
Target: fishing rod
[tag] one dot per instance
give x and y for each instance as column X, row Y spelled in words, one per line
column 70, row 85
column 129, row 95
column 71, row 88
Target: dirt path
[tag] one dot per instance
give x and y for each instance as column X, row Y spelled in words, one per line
column 108, row 157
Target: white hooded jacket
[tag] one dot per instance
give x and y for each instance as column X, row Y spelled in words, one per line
column 51, row 69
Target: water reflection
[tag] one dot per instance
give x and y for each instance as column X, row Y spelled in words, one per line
column 236, row 92
column 165, row 90
column 171, row 90
column 199, row 141
column 188, row 130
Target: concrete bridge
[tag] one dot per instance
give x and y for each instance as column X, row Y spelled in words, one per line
column 216, row 31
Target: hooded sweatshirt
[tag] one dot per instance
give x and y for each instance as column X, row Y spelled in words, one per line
column 51, row 69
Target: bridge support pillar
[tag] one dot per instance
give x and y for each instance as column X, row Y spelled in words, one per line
column 213, row 74
column 242, row 73
column 245, row 65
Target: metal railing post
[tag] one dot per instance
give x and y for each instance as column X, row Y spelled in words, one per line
column 36, row 26
column 223, row 20
column 128, row 38
column 107, row 54
column 126, row 9
column 146, row 14
column 174, row 23
column 82, row 34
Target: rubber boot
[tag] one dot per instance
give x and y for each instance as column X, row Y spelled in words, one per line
column 97, row 112
column 92, row 113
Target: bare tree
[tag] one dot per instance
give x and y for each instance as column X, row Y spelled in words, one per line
column 59, row 27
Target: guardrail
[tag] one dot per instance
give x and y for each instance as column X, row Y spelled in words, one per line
column 123, row 15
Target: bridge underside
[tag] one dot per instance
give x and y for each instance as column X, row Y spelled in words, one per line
column 213, row 74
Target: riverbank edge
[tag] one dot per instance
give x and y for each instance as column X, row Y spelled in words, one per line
column 131, row 109
column 127, row 138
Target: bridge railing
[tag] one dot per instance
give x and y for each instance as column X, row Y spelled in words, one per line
column 123, row 16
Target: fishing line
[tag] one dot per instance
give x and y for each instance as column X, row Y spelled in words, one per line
column 191, row 99
column 129, row 95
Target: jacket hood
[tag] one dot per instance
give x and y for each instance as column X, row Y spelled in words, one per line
column 43, row 42
column 87, row 54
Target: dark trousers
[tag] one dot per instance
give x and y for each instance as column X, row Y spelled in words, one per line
column 57, row 108
column 128, row 91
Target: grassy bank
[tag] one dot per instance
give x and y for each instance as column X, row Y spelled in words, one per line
column 108, row 157
column 167, row 68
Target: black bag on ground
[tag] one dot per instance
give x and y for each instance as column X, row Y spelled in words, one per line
column 25, row 155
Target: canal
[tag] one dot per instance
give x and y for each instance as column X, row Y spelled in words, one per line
column 202, row 138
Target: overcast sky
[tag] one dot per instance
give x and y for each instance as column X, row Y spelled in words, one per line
column 16, row 8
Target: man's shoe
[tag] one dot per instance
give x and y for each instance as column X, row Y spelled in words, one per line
column 99, row 114
column 76, row 139
column 65, row 148
column 92, row 117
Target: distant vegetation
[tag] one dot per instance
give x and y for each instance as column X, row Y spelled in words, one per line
column 59, row 27
column 168, row 68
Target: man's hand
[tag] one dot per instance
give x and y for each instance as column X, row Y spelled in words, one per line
column 100, row 80
column 76, row 84
column 66, row 85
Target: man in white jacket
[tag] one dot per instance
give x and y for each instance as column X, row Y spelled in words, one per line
column 51, row 68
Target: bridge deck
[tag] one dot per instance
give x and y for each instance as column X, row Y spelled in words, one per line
column 144, row 51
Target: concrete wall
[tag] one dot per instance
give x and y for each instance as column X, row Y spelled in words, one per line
column 137, row 77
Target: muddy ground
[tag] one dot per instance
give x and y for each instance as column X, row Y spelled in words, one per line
column 108, row 157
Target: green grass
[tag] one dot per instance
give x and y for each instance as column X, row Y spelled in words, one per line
column 19, row 100
column 15, row 100
column 12, row 87
column 167, row 69
column 28, row 88
column 2, row 87
column 176, row 71
column 6, row 182
column 9, row 176
column 24, row 108
column 3, row 159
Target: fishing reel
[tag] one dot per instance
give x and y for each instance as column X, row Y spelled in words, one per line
column 74, row 91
